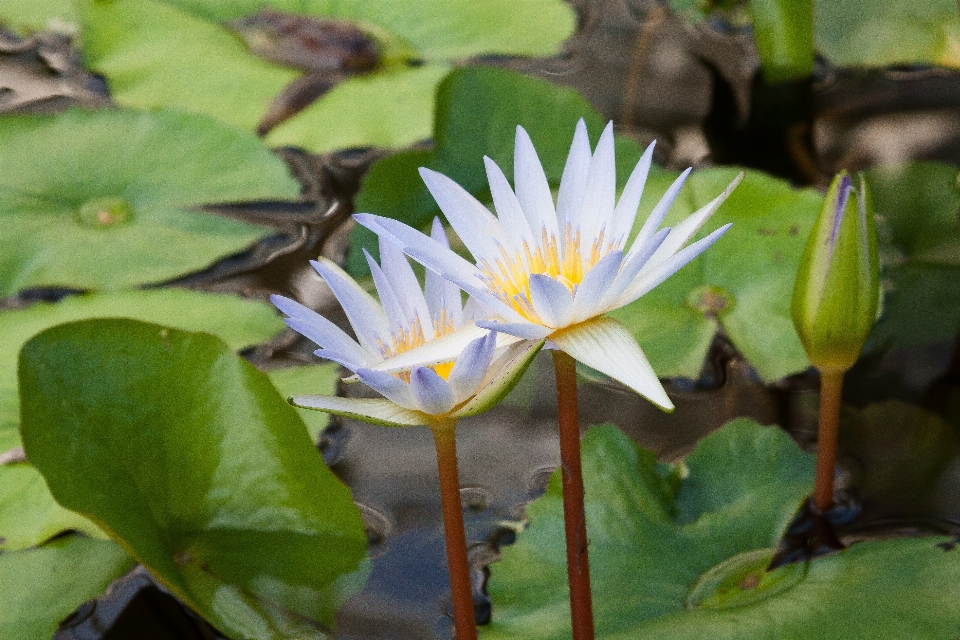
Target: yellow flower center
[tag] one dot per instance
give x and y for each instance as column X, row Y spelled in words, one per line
column 406, row 338
column 508, row 276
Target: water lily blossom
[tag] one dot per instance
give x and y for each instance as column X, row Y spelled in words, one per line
column 551, row 271
column 406, row 320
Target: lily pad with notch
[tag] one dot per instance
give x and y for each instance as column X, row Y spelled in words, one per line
column 222, row 504
column 105, row 199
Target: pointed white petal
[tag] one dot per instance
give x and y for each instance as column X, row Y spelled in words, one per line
column 574, row 178
column 607, row 346
column 592, row 289
column 596, row 209
column 404, row 282
column 470, row 369
column 508, row 208
column 372, row 410
column 364, row 313
column 652, row 223
column 522, row 330
column 626, row 210
column 441, row 294
column 339, row 358
column 690, row 225
column 430, row 392
column 505, row 373
column 389, row 386
column 551, row 300
column 629, row 269
column 472, row 221
column 647, row 280
column 321, row 331
column 533, row 190
column 397, row 315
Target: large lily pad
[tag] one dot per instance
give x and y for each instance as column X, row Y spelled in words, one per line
column 868, row 33
column 675, row 556
column 39, row 588
column 187, row 456
column 211, row 71
column 26, row 16
column 313, row 379
column 100, row 199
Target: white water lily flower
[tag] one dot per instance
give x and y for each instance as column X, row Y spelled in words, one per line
column 407, row 320
column 551, row 272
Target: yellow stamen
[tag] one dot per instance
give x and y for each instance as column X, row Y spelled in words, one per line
column 406, row 338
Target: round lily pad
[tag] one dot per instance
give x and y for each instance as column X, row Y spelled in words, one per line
column 102, row 199
column 681, row 552
column 222, row 503
column 211, row 71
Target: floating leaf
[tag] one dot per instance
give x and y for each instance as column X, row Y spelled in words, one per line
column 917, row 204
column 27, row 16
column 677, row 556
column 28, row 513
column 229, row 504
column 39, row 588
column 211, row 71
column 237, row 321
column 866, row 33
column 100, row 200
column 478, row 110
column 315, row 379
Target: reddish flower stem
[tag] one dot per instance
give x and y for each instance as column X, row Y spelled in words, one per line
column 464, row 620
column 831, row 387
column 574, row 516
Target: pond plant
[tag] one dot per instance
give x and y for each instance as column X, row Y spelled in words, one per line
column 163, row 433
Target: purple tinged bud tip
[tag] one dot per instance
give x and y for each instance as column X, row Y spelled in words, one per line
column 843, row 194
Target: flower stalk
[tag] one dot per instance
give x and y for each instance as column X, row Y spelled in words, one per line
column 574, row 514
column 831, row 388
column 464, row 618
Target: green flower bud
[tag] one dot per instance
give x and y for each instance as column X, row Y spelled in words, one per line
column 838, row 285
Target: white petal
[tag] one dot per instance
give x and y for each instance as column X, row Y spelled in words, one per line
column 396, row 313
column 652, row 223
column 321, row 331
column 690, row 225
column 551, row 300
column 441, row 294
column 629, row 269
column 508, row 208
column 606, row 345
column 389, row 386
column 472, row 221
column 522, row 330
column 533, row 190
column 372, row 410
column 339, row 358
column 431, row 392
column 404, row 282
column 626, row 211
column 506, row 372
column 364, row 313
column 596, row 209
column 650, row 279
column 574, row 178
column 470, row 369
column 592, row 289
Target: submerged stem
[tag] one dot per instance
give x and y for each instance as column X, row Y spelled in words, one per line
column 574, row 516
column 464, row 620
column 831, row 387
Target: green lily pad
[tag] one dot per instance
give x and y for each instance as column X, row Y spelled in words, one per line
column 100, row 199
column 211, row 71
column 866, row 33
column 40, row 587
column 917, row 205
column 676, row 556
column 742, row 285
column 187, row 456
column 478, row 110
column 28, row 16
column 238, row 321
column 654, row 529
column 319, row 379
column 28, row 513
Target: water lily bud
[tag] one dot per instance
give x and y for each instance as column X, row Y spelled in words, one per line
column 838, row 286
